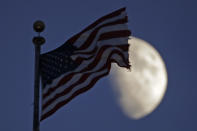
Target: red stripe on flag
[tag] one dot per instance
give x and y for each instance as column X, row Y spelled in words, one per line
column 114, row 34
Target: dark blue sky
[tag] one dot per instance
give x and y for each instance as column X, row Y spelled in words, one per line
column 170, row 25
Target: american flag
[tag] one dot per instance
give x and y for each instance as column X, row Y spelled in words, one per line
column 81, row 61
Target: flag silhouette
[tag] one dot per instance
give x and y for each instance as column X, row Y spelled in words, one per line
column 81, row 61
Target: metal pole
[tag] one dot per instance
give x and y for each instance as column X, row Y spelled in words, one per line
column 38, row 41
column 36, row 120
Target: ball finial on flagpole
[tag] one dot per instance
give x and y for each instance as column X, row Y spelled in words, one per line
column 39, row 27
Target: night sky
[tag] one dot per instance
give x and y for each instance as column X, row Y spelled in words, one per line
column 169, row 25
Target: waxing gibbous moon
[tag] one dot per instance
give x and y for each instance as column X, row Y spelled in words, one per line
column 140, row 90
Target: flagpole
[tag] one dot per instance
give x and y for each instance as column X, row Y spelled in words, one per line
column 38, row 41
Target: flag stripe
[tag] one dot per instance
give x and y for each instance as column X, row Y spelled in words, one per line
column 114, row 34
